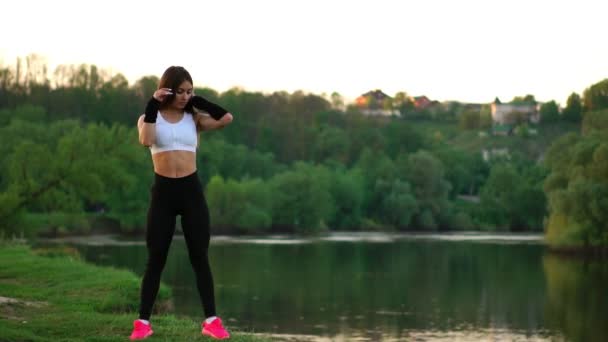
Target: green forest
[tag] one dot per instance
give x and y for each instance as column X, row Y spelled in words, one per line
column 301, row 163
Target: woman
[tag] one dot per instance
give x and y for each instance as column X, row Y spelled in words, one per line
column 170, row 128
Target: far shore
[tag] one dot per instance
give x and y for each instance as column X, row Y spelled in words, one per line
column 372, row 237
column 111, row 239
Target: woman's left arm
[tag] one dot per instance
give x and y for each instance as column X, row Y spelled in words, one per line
column 207, row 123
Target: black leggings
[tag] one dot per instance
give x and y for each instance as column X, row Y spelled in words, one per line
column 172, row 197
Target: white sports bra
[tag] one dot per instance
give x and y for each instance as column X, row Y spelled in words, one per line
column 175, row 136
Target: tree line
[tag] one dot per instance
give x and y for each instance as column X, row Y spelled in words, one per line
column 294, row 162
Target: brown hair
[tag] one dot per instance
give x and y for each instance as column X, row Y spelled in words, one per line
column 172, row 78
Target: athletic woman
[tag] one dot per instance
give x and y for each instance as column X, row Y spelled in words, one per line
column 170, row 127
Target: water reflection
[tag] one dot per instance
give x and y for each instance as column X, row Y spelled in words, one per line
column 577, row 297
column 453, row 288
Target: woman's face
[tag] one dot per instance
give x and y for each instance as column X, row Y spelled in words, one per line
column 183, row 93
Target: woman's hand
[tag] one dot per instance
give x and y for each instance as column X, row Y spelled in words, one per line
column 226, row 119
column 161, row 93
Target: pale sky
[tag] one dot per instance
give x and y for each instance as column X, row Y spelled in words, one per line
column 464, row 50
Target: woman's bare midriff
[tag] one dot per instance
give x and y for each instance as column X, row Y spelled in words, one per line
column 174, row 164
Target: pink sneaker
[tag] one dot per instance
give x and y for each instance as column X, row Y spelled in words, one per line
column 141, row 330
column 215, row 329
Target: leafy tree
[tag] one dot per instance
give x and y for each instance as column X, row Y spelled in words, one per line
column 337, row 101
column 485, row 117
column 528, row 99
column 469, row 119
column 364, row 136
column 128, row 203
column 347, row 191
column 596, row 96
column 302, row 200
column 574, row 108
column 497, row 195
column 245, row 205
column 513, row 199
column 145, row 87
column 595, row 121
column 401, row 137
column 60, row 166
column 549, row 112
column 374, row 166
column 403, row 102
column 464, row 171
column 427, row 177
column 399, row 205
column 332, row 143
column 577, row 189
column 216, row 156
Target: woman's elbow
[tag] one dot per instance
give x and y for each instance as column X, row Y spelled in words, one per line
column 145, row 141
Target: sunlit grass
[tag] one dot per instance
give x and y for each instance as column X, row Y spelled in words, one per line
column 52, row 295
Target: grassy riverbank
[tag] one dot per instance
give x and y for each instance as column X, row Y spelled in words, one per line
column 52, row 295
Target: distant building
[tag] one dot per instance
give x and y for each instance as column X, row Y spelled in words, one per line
column 509, row 113
column 421, row 102
column 376, row 102
column 372, row 98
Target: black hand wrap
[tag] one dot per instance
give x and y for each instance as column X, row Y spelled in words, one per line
column 214, row 110
column 151, row 110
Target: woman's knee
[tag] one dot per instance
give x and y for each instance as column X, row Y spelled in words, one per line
column 199, row 259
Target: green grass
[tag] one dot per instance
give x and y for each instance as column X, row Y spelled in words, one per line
column 61, row 298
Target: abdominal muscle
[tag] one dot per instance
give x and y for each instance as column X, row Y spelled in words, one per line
column 174, row 164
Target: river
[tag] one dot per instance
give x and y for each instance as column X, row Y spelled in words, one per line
column 385, row 287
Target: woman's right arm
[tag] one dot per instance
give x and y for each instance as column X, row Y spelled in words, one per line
column 146, row 124
column 147, row 132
